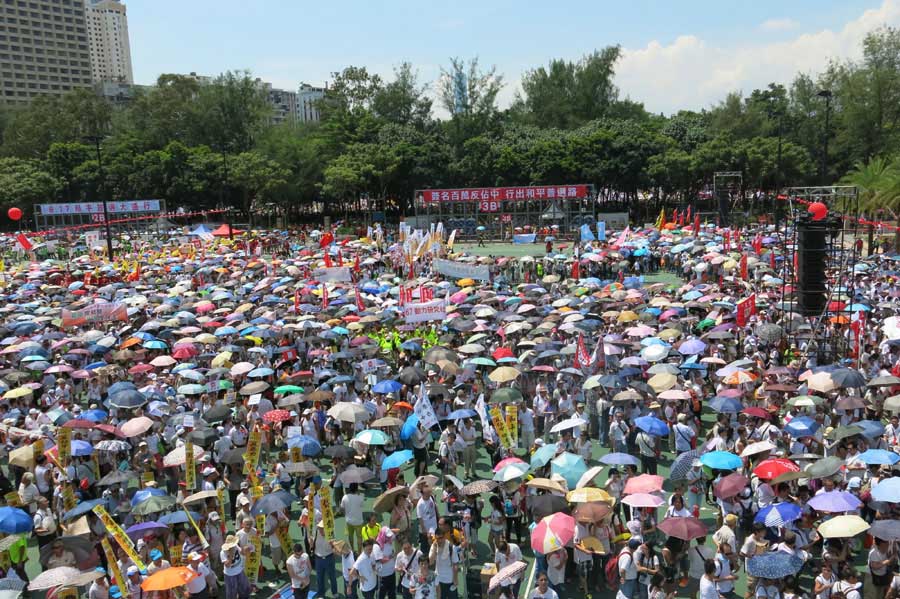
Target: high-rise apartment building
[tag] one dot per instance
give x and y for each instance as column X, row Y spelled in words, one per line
column 308, row 99
column 43, row 48
column 107, row 28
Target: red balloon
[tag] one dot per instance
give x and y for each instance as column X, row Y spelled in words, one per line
column 14, row 213
column 818, row 210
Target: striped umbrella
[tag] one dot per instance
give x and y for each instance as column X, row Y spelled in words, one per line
column 552, row 533
column 778, row 514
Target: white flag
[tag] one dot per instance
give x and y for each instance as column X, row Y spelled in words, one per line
column 482, row 413
column 424, row 410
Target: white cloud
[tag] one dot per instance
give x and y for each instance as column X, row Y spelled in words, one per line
column 778, row 24
column 690, row 73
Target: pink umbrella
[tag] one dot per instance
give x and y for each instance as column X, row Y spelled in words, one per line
column 57, row 368
column 459, row 297
column 645, row 483
column 80, row 374
column 136, row 426
column 683, row 528
column 643, row 500
column 639, row 331
column 552, row 533
column 514, row 570
column 506, row 462
column 140, row 369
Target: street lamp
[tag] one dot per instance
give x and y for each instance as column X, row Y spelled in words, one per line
column 100, row 180
column 826, row 94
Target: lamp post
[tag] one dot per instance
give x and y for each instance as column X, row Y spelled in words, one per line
column 100, row 180
column 826, row 94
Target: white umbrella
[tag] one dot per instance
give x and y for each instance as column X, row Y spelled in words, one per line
column 568, row 423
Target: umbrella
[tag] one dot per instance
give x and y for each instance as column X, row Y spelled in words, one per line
column 887, row 490
column 140, row 530
column 546, row 484
column 588, row 477
column 542, row 456
column 645, row 483
column 778, row 514
column 136, row 426
column 372, row 437
column 273, row 416
column 774, row 565
column 201, row 496
column 82, row 508
column 385, row 502
column 511, row 472
column 834, row 502
column 721, row 460
column 683, row 528
column 177, row 456
column 13, row 520
column 153, row 505
column 568, row 423
column 552, row 533
column 504, row 374
column 309, row 446
column 217, row 413
column 683, row 464
column 588, row 495
column 878, row 456
column 506, row 395
column 652, row 425
column 169, row 578
column 478, row 487
column 570, row 466
column 643, row 500
column 11, row 588
column 388, row 386
column 273, row 502
column 117, row 477
column 508, row 573
column 594, row 511
column 620, row 459
column 356, row 474
column 340, row 451
column 774, row 467
column 81, row 547
column 758, row 447
column 728, row 405
column 802, row 426
column 843, row 526
column 824, row 467
column 545, row 505
column 730, row 485
column 180, row 517
column 889, row 530
column 397, row 459
column 348, row 412
column 55, row 577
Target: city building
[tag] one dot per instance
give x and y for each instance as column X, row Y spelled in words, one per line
column 308, row 99
column 107, row 28
column 44, row 48
column 282, row 102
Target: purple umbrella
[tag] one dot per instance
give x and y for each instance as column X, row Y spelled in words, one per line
column 139, row 530
column 834, row 502
column 725, row 326
column 691, row 347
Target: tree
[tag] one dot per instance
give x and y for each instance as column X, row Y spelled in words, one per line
column 231, row 112
column 403, row 101
column 24, row 183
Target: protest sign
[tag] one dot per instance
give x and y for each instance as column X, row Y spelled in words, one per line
column 499, row 423
column 327, row 514
column 251, row 456
column 512, row 424
column 102, row 312
column 119, row 535
column 462, row 270
column 112, row 564
column 63, row 445
column 190, row 469
column 433, row 310
column 424, row 410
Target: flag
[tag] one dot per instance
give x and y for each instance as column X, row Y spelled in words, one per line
column 327, row 260
column 324, row 296
column 576, row 269
column 327, row 239
column 24, row 242
column 744, row 266
column 601, row 230
column 661, row 221
column 675, row 216
column 687, row 218
column 296, row 301
column 598, row 359
column 681, row 219
column 356, row 267
column 586, row 233
column 424, row 410
column 744, row 309
column 360, row 307
column 401, row 296
column 696, row 225
column 772, row 259
column 340, row 258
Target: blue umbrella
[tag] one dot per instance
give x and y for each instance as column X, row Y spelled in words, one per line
column 878, row 456
column 543, row 455
column 872, row 429
column 273, row 502
column 459, row 414
column 778, row 514
column 409, row 427
column 120, row 386
column 570, row 466
column 308, row 446
column 728, row 405
column 721, row 460
column 145, row 494
column 411, row 346
column 774, row 565
column 652, row 425
column 179, row 517
column 691, row 347
column 14, row 521
column 260, row 372
column 887, row 490
column 620, row 459
column 81, row 448
column 140, row 530
column 802, row 426
column 387, row 386
column 397, row 459
column 83, row 508
column 95, row 415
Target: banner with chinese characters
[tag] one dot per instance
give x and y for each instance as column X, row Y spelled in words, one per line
column 68, row 495
column 327, row 514
column 38, row 447
column 283, row 532
column 512, row 424
column 260, row 523
column 296, row 454
column 112, row 565
column 498, row 194
column 102, row 312
column 462, row 270
column 499, row 423
column 251, row 456
column 433, row 310
column 97, row 207
column 95, row 465
column 311, row 510
column 175, row 555
column 190, row 468
column 119, row 535
column 251, row 562
column 222, row 503
column 63, row 445
column 744, row 309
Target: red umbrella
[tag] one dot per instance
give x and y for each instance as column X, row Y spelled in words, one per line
column 140, row 368
column 683, row 528
column 503, row 352
column 506, row 462
column 730, row 485
column 543, row 368
column 775, row 467
column 274, row 416
column 184, row 352
column 755, row 412
column 79, row 423
column 645, row 483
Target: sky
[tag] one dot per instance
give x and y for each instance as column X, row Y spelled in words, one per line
column 683, row 54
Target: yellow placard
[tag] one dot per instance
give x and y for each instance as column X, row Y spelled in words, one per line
column 327, row 514
column 221, row 494
column 38, row 447
column 95, row 465
column 63, row 445
column 260, row 523
column 12, row 499
column 112, row 565
column 119, row 535
column 256, row 491
column 311, row 509
column 197, row 528
column 499, row 423
column 69, row 593
column 284, row 537
column 251, row 565
column 190, row 478
column 175, row 555
column 512, row 424
column 147, row 477
column 68, row 495
column 296, row 455
column 251, row 456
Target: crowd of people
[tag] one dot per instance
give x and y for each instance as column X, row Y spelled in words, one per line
column 219, row 419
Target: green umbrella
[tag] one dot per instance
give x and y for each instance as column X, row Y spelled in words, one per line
column 223, row 385
column 706, row 323
column 825, row 467
column 506, row 395
column 842, row 432
column 803, row 399
column 480, row 361
column 153, row 504
column 289, row 389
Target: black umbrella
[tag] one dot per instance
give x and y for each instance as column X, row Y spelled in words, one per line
column 844, row 377
column 411, row 376
column 273, row 502
column 217, row 413
column 340, row 451
column 117, row 477
column 545, row 505
column 440, row 353
column 81, row 547
column 127, row 398
column 233, row 456
column 203, row 436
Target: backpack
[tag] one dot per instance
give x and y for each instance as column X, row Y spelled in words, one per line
column 612, row 570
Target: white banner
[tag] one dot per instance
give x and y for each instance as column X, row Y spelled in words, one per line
column 461, row 270
column 97, row 207
column 92, row 239
column 434, row 310
column 337, row 274
column 424, row 410
column 370, row 365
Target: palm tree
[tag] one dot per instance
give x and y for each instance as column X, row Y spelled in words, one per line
column 878, row 181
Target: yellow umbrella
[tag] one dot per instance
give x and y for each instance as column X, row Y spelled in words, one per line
column 207, row 338
column 466, row 283
column 245, row 307
column 504, row 374
column 662, row 381
column 17, row 392
column 843, row 526
column 545, row 484
column 627, row 316
column 221, row 359
column 22, row 457
column 668, row 334
column 588, row 494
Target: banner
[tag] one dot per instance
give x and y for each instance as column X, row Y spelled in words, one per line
column 499, row 194
column 524, row 237
column 222, row 503
column 196, row 528
column 296, row 455
column 743, row 263
column 311, row 510
column 175, row 554
column 745, row 309
column 434, row 310
column 335, row 274
column 482, row 412
column 424, row 410
column 586, row 233
column 112, row 565
column 370, row 365
column 327, row 514
column 251, row 456
column 68, row 495
column 451, row 240
column 260, row 523
column 512, row 424
column 461, row 270
column 500, row 426
column 38, row 448
column 190, row 468
column 24, row 242
column 97, row 207
column 119, row 535
column 283, row 532
column 251, row 562
column 102, row 312
column 63, row 445
column 601, row 230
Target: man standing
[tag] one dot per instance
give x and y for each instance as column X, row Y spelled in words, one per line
column 683, row 435
column 618, row 433
column 299, row 569
column 197, row 588
column 44, row 522
column 426, row 511
column 364, row 571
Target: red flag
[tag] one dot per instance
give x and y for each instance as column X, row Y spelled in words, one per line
column 772, row 259
column 744, row 266
column 401, row 297
column 744, row 309
column 576, row 271
column 327, row 239
column 24, row 242
column 421, row 293
column 582, row 356
column 681, row 219
column 356, row 263
column 688, row 217
column 696, row 224
column 327, row 260
column 324, row 296
column 675, row 216
column 359, row 303
column 412, row 272
column 340, row 258
column 296, row 301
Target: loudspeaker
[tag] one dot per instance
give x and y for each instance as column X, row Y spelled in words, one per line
column 812, row 257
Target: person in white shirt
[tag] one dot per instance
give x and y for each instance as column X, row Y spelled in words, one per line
column 299, row 569
column 385, row 563
column 364, row 570
column 427, row 513
column 446, row 566
column 352, row 506
column 526, row 426
column 407, row 565
column 618, row 433
column 198, row 587
column 507, row 554
column 708, row 588
column 725, row 561
column 468, row 436
column 543, row 590
column 683, row 435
